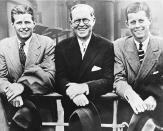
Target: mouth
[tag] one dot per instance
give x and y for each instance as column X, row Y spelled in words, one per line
column 24, row 31
column 82, row 29
column 139, row 31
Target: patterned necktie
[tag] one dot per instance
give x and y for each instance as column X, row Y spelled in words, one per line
column 141, row 52
column 22, row 54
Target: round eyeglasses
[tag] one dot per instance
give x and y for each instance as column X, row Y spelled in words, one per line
column 84, row 20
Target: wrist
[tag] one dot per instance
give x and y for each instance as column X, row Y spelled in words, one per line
column 129, row 94
column 86, row 89
column 21, row 87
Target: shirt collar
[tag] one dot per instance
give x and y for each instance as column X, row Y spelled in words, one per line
column 26, row 42
column 86, row 42
column 145, row 44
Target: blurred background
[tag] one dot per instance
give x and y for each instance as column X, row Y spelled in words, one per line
column 52, row 17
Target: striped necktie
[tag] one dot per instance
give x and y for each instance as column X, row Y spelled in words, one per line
column 141, row 52
column 22, row 54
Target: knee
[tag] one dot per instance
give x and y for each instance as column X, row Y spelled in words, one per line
column 149, row 125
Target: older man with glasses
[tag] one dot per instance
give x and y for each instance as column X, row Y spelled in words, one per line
column 84, row 64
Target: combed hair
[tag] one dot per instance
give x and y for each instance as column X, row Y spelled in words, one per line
column 21, row 9
column 138, row 6
column 92, row 13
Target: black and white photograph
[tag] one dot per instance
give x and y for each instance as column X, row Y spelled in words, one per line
column 81, row 65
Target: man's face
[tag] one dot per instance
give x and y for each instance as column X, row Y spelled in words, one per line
column 82, row 22
column 139, row 25
column 23, row 25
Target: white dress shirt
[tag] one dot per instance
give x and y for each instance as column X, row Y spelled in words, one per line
column 86, row 43
column 144, row 43
column 26, row 46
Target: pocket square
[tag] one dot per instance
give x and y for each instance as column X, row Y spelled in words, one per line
column 96, row 68
column 155, row 72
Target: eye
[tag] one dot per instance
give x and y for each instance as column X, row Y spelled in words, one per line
column 77, row 21
column 86, row 21
column 18, row 22
column 132, row 22
column 27, row 22
column 141, row 20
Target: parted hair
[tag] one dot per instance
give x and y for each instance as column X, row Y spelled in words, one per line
column 138, row 6
column 21, row 9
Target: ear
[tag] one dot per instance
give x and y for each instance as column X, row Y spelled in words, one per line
column 12, row 24
column 150, row 21
column 94, row 21
column 34, row 22
column 71, row 24
column 126, row 23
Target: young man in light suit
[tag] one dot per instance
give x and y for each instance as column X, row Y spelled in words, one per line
column 138, row 70
column 26, row 67
column 84, row 62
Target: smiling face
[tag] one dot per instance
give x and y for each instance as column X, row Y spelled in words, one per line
column 139, row 24
column 82, row 22
column 23, row 25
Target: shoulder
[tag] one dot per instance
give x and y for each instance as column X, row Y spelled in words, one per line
column 157, row 39
column 6, row 41
column 66, row 42
column 102, row 40
column 44, row 39
column 120, row 42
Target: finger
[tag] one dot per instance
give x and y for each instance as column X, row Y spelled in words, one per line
column 12, row 97
column 144, row 106
column 134, row 109
column 21, row 103
column 140, row 108
column 8, row 91
column 17, row 103
column 9, row 94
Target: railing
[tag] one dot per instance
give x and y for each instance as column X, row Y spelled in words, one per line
column 114, row 125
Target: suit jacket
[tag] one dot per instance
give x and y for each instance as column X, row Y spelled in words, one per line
column 71, row 68
column 39, row 73
column 128, row 71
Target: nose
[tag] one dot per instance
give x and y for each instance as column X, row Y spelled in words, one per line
column 24, row 25
column 81, row 23
column 137, row 24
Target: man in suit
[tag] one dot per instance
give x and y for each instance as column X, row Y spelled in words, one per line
column 26, row 67
column 138, row 70
column 84, row 62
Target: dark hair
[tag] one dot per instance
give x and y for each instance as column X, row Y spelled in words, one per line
column 92, row 13
column 21, row 9
column 138, row 6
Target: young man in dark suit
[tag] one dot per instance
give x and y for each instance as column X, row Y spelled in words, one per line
column 84, row 62
column 26, row 67
column 138, row 70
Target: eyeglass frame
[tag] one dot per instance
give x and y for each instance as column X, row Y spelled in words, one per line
column 78, row 21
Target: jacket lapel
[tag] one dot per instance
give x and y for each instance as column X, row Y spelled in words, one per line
column 13, row 48
column 33, row 51
column 150, row 59
column 90, row 54
column 132, row 55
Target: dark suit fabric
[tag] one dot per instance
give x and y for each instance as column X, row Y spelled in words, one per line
column 37, row 76
column 129, row 73
column 71, row 68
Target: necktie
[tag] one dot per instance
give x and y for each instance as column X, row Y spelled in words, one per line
column 141, row 52
column 84, row 49
column 22, row 54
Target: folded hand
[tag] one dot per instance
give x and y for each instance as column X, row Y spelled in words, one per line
column 81, row 100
